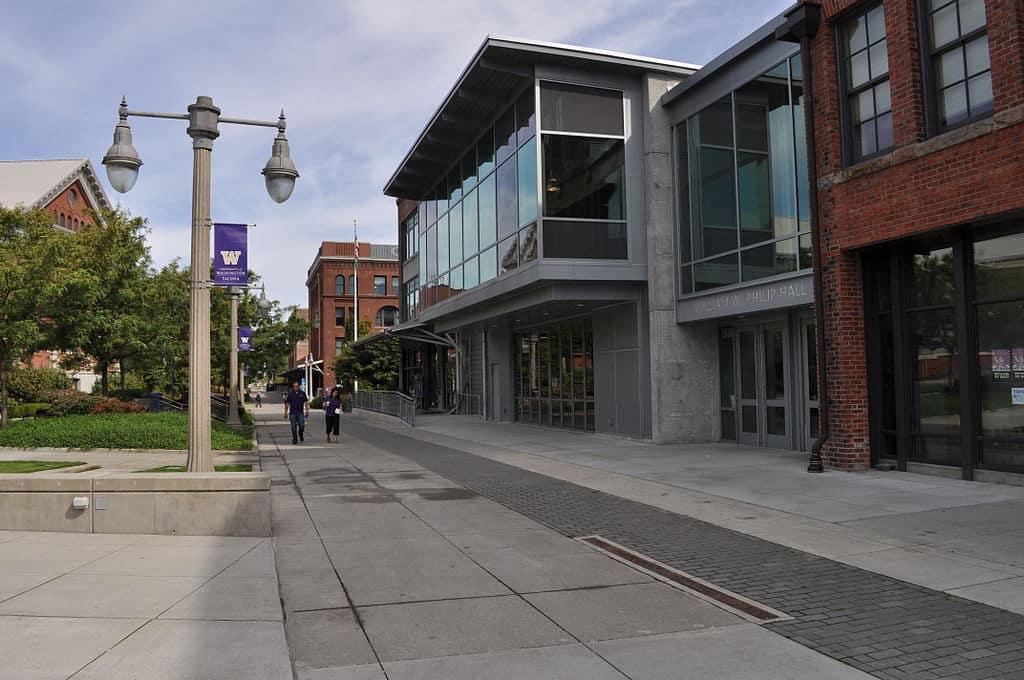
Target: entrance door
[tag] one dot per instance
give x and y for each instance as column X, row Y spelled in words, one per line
column 764, row 418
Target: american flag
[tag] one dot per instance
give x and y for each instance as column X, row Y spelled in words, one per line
column 355, row 239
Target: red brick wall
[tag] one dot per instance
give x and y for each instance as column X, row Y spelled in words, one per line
column 922, row 185
column 75, row 216
column 323, row 299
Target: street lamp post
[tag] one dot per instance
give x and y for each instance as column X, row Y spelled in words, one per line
column 123, row 162
column 234, row 292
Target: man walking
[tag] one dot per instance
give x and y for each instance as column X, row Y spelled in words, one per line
column 296, row 410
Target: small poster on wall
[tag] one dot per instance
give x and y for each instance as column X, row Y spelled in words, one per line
column 1017, row 396
column 1018, row 363
column 1001, row 364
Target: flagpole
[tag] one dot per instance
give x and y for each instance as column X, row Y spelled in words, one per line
column 355, row 294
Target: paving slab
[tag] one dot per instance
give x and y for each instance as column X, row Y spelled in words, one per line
column 52, row 648
column 327, row 639
column 476, row 515
column 744, row 652
column 258, row 562
column 307, row 579
column 925, row 568
column 365, row 521
column 433, row 629
column 166, row 560
column 1008, row 594
column 12, row 584
column 231, row 598
column 411, row 569
column 364, row 672
column 197, row 650
column 49, row 558
column 102, row 596
column 629, row 611
column 565, row 662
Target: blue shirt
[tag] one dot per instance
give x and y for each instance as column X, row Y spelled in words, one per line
column 331, row 405
column 295, row 400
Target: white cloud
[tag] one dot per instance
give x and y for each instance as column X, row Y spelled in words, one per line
column 358, row 80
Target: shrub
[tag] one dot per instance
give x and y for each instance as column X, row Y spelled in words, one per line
column 118, row 431
column 114, row 405
column 72, row 402
column 30, row 384
column 26, row 410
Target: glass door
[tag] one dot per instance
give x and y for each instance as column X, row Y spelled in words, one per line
column 749, row 371
column 762, row 409
column 775, row 411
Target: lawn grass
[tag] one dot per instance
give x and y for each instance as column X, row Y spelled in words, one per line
column 26, row 466
column 118, row 431
column 238, row 467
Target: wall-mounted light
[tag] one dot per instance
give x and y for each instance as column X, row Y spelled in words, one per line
column 552, row 186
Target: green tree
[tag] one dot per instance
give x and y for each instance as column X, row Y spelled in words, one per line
column 163, row 362
column 273, row 339
column 374, row 365
column 36, row 287
column 107, row 324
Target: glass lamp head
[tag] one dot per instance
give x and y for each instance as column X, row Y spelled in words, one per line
column 122, row 160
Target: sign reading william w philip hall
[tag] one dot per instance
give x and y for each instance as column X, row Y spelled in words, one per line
column 230, row 259
column 244, row 339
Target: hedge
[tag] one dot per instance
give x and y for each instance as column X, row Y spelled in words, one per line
column 118, row 431
column 30, row 384
column 25, row 410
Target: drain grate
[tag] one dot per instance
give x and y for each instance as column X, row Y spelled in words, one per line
column 737, row 604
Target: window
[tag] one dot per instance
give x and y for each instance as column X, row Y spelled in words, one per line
column 394, row 285
column 386, row 317
column 960, row 79
column 352, row 284
column 742, row 190
column 411, row 225
column 338, row 344
column 339, row 285
column 865, row 76
column 380, row 285
column 583, row 176
column 339, row 317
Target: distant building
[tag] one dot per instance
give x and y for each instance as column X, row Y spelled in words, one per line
column 331, row 295
column 301, row 349
column 67, row 189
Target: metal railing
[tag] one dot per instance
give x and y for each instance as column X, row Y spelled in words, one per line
column 389, row 403
column 468, row 405
column 219, row 408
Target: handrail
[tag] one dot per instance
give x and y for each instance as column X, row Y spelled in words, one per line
column 391, row 403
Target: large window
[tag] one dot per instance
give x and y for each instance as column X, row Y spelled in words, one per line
column 488, row 196
column 411, row 227
column 380, row 285
column 959, row 80
column 339, row 317
column 946, row 350
column 386, row 317
column 865, row 77
column 339, row 285
column 742, row 202
column 583, row 168
column 554, row 375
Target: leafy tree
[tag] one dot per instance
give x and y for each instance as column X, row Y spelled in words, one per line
column 36, row 287
column 163, row 362
column 108, row 322
column 374, row 365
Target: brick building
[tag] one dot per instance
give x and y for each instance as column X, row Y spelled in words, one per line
column 331, row 280
column 68, row 189
column 919, row 130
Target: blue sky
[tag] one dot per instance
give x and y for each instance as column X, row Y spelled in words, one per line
column 357, row 80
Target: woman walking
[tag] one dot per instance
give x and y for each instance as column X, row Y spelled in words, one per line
column 332, row 404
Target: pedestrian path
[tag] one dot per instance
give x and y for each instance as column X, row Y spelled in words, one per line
column 391, row 566
column 119, row 607
column 884, row 626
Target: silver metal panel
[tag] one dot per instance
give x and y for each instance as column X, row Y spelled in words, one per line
column 779, row 293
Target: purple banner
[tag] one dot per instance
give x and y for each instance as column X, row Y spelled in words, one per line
column 230, row 256
column 244, row 339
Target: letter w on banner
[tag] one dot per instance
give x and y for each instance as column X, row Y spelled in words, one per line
column 230, row 254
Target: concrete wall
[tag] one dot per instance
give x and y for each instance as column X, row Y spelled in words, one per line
column 683, row 358
column 499, row 393
column 192, row 504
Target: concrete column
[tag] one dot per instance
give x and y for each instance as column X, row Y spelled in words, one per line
column 200, row 456
column 233, row 389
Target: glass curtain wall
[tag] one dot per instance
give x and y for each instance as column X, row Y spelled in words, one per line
column 742, row 204
column 481, row 219
column 583, row 165
column 554, row 375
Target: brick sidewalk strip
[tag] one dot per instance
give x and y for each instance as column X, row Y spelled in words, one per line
column 888, row 628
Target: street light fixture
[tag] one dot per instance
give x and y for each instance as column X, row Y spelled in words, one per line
column 263, row 304
column 123, row 162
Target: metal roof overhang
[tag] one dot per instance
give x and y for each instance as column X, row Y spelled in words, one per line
column 412, row 332
column 499, row 68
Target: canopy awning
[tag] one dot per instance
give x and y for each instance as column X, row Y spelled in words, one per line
column 412, row 331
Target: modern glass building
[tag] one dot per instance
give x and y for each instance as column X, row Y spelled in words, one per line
column 524, row 232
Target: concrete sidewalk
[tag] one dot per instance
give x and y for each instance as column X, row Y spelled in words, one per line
column 120, row 607
column 388, row 570
column 964, row 538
